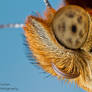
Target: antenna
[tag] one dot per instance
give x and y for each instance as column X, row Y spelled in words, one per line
column 47, row 4
column 11, row 26
column 2, row 26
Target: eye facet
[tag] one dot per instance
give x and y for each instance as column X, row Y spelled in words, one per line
column 71, row 26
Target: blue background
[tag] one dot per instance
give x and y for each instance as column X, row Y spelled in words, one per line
column 15, row 68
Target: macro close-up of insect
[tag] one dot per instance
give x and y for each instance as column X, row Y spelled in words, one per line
column 61, row 41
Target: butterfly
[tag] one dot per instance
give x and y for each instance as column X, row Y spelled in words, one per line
column 61, row 41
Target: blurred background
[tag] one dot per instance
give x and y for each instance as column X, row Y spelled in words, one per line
column 16, row 72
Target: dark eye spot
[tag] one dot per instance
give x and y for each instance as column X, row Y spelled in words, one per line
column 70, row 14
column 79, row 19
column 77, row 42
column 61, row 27
column 74, row 28
column 81, row 34
column 69, row 41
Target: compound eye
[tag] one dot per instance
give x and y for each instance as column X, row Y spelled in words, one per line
column 70, row 26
